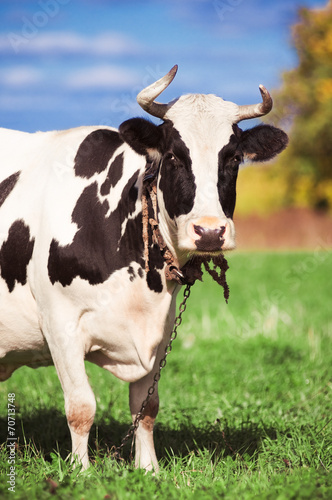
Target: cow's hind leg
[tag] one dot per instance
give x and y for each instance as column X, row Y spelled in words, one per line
column 145, row 455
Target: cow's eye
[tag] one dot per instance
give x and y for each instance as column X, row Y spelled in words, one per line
column 237, row 159
column 172, row 160
column 170, row 157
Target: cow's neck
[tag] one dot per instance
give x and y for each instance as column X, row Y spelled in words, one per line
column 191, row 270
column 151, row 232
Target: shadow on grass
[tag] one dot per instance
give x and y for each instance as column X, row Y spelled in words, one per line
column 47, row 429
column 218, row 438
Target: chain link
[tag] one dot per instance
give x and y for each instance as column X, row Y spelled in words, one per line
column 140, row 415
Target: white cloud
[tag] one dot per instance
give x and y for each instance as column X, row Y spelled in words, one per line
column 104, row 76
column 27, row 102
column 67, row 42
column 29, row 78
column 20, row 76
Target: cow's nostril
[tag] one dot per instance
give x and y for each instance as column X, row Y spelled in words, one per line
column 206, row 231
column 222, row 230
column 199, row 230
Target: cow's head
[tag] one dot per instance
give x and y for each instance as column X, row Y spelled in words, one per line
column 199, row 148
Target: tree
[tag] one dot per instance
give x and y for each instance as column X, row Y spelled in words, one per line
column 306, row 97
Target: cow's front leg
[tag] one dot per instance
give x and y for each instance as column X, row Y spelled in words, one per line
column 145, row 455
column 80, row 407
column 80, row 404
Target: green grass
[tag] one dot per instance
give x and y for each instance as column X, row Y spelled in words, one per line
column 245, row 399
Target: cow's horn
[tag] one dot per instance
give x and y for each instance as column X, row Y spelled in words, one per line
column 254, row 110
column 147, row 96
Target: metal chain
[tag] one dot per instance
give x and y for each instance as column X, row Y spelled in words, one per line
column 140, row 415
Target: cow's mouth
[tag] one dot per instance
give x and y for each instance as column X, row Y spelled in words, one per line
column 209, row 245
column 215, row 265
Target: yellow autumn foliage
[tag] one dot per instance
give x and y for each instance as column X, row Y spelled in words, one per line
column 324, row 89
column 263, row 190
column 304, row 107
column 260, row 191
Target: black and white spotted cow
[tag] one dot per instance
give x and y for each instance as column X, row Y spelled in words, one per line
column 73, row 280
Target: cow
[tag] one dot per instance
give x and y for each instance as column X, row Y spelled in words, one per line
column 75, row 281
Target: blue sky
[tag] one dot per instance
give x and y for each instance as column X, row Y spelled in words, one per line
column 66, row 63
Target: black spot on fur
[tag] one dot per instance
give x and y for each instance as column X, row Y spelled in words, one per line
column 140, row 272
column 177, row 180
column 131, row 273
column 98, row 248
column 106, row 206
column 7, row 186
column 156, row 261
column 15, row 254
column 113, row 176
column 228, row 166
column 154, row 282
column 95, row 152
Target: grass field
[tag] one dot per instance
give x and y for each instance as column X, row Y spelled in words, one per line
column 245, row 399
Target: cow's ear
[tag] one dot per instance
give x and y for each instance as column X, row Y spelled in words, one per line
column 263, row 142
column 143, row 136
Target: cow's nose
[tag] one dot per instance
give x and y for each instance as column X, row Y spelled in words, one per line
column 211, row 239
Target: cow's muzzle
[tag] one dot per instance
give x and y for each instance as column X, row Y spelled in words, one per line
column 210, row 240
column 209, row 234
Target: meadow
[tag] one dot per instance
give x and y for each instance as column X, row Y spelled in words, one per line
column 245, row 399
